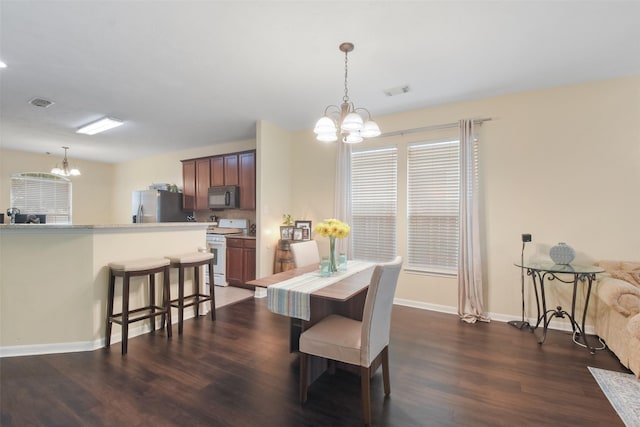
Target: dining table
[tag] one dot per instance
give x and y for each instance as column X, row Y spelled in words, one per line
column 306, row 297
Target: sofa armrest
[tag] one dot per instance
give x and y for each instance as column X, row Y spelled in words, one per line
column 620, row 295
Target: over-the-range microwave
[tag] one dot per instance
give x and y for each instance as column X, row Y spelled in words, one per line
column 224, row 197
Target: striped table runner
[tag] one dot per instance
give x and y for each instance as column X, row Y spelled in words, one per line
column 292, row 297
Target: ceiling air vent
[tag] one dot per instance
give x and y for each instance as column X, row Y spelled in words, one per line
column 40, row 102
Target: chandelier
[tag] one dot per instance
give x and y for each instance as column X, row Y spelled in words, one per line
column 346, row 121
column 66, row 170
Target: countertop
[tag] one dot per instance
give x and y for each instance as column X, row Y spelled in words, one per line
column 241, row 236
column 163, row 226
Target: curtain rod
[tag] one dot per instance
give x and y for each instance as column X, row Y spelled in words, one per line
column 433, row 127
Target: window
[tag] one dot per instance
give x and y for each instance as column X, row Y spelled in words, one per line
column 42, row 193
column 433, row 174
column 374, row 187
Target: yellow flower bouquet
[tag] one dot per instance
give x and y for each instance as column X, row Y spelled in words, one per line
column 333, row 228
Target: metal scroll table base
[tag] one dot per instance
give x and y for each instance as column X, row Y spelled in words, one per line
column 579, row 336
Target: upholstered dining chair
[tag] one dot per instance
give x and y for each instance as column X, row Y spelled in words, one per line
column 356, row 342
column 305, row 253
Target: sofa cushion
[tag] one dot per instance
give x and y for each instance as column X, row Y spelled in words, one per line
column 623, row 270
column 620, row 295
column 634, row 326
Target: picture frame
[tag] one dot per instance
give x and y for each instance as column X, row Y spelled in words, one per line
column 306, row 228
column 297, row 233
column 286, row 232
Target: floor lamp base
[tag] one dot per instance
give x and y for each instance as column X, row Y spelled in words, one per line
column 519, row 324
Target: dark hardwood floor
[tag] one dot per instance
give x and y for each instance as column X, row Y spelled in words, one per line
column 237, row 372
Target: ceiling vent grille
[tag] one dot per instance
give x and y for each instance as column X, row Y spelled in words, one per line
column 41, row 102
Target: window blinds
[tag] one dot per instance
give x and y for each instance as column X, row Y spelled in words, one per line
column 374, row 206
column 432, row 206
column 39, row 193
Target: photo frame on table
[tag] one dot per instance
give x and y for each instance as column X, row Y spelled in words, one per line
column 297, row 233
column 286, row 232
column 306, row 228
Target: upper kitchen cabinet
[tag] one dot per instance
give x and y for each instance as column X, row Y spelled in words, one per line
column 231, row 169
column 202, row 184
column 189, row 185
column 217, row 171
column 247, row 179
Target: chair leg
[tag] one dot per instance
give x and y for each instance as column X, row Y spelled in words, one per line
column 196, row 290
column 180, row 298
column 166, row 299
column 212, row 293
column 110, row 296
column 304, row 376
column 152, row 301
column 365, row 381
column 125, row 312
column 385, row 371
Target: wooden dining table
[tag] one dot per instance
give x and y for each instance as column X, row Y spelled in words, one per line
column 345, row 297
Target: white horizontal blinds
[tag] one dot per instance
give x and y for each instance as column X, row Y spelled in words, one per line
column 433, row 175
column 374, row 204
column 41, row 193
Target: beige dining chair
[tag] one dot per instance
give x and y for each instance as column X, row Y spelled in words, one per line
column 305, row 253
column 356, row 342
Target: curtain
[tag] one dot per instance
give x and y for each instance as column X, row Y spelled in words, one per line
column 470, row 303
column 342, row 202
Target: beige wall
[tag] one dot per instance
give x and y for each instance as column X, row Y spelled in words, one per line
column 92, row 191
column 562, row 164
column 275, row 179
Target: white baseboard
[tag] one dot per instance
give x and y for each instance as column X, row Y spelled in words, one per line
column 498, row 317
column 71, row 347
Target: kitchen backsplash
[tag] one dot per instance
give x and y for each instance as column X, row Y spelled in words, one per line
column 204, row 216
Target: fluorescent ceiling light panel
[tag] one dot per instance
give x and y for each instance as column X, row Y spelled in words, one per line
column 101, row 125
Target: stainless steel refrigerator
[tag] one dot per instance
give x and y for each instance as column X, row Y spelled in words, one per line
column 157, row 206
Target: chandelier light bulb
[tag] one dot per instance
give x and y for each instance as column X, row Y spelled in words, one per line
column 370, row 130
column 325, row 125
column 352, row 122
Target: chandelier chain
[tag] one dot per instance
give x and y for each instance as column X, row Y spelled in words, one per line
column 345, row 98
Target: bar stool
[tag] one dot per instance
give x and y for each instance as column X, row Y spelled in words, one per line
column 126, row 270
column 195, row 260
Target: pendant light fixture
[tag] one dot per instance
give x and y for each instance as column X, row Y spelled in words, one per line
column 345, row 121
column 66, row 170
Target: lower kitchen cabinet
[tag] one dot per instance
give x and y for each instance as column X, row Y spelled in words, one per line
column 241, row 261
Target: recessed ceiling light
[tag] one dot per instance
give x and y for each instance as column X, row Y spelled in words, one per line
column 101, row 125
column 3, row 65
column 399, row 90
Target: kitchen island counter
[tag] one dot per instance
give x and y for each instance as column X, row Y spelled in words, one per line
column 53, row 280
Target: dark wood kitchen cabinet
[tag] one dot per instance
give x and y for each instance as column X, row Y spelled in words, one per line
column 189, row 185
column 241, row 261
column 231, row 169
column 202, row 184
column 227, row 169
column 247, row 179
column 217, row 171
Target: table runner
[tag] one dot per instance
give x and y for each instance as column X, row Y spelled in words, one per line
column 292, row 297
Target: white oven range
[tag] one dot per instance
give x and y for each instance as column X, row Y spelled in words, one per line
column 217, row 245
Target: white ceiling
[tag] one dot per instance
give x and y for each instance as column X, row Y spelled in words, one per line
column 193, row 73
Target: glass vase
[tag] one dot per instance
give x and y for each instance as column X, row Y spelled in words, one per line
column 332, row 254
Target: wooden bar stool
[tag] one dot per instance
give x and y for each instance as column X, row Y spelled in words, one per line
column 126, row 270
column 195, row 260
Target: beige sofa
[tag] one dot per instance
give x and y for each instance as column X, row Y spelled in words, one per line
column 616, row 303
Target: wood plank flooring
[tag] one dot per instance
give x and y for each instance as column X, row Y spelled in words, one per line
column 237, row 371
